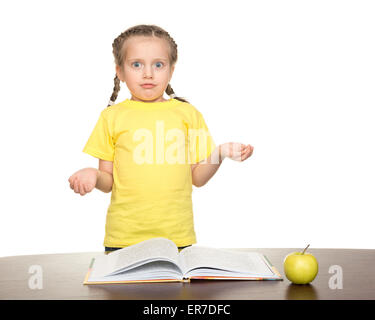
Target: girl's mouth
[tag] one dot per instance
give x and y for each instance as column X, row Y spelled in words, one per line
column 147, row 85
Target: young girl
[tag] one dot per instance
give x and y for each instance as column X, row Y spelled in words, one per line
column 150, row 150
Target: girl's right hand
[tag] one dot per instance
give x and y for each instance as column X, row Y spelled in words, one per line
column 84, row 180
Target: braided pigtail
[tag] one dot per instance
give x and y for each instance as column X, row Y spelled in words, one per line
column 169, row 91
column 116, row 89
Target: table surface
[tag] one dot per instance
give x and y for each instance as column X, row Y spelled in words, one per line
column 63, row 274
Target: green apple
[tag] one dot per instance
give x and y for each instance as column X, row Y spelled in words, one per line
column 300, row 267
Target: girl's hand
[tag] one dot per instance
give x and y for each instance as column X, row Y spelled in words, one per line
column 236, row 151
column 84, row 180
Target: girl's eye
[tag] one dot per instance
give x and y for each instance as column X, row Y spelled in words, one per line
column 159, row 64
column 136, row 64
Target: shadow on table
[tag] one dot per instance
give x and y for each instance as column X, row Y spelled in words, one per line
column 301, row 292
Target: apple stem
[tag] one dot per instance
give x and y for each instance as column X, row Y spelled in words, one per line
column 305, row 249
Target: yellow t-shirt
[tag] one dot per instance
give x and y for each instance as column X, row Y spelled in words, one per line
column 152, row 146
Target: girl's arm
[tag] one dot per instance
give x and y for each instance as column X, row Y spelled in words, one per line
column 203, row 171
column 104, row 180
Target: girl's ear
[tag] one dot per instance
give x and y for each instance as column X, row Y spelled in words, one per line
column 120, row 73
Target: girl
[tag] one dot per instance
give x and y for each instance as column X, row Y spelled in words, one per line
column 150, row 150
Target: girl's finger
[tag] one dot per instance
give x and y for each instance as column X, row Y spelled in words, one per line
column 245, row 150
column 245, row 155
column 81, row 190
column 248, row 153
column 72, row 183
column 251, row 151
column 75, row 186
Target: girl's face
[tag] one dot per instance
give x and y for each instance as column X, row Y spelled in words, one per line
column 146, row 62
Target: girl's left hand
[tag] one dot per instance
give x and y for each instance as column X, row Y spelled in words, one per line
column 236, row 151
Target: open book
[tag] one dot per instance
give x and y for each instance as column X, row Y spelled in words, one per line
column 158, row 260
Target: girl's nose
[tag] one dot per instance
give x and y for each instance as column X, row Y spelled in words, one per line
column 147, row 72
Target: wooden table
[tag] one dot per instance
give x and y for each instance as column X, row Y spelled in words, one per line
column 63, row 275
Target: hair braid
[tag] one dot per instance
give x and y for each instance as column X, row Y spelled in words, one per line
column 119, row 52
column 116, row 89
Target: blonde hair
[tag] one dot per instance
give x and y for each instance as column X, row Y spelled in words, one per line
column 148, row 31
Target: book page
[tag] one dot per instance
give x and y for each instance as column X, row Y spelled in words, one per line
column 152, row 270
column 204, row 257
column 137, row 254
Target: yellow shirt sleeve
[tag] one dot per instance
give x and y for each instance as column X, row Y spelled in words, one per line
column 100, row 143
column 201, row 143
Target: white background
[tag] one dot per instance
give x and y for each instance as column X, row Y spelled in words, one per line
column 295, row 79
